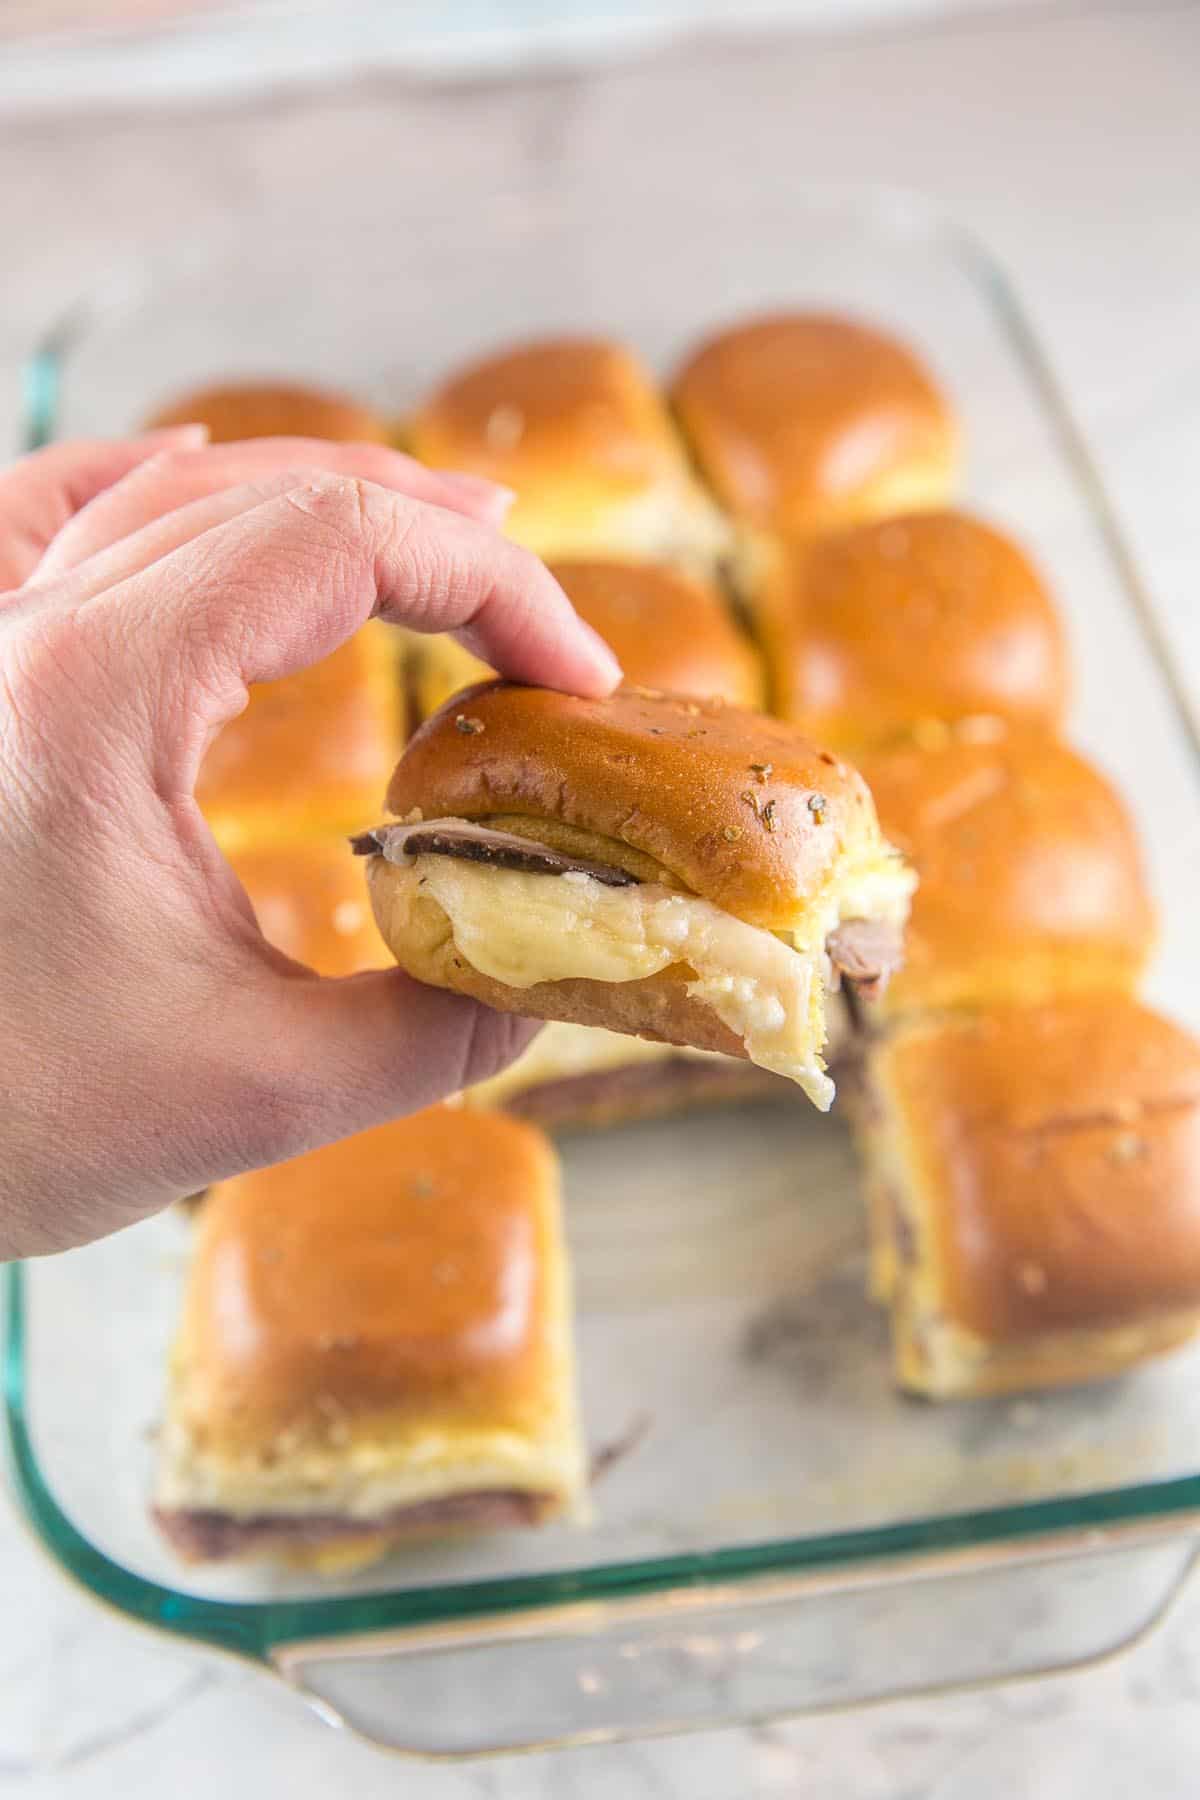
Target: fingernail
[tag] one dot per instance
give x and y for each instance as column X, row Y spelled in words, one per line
column 178, row 437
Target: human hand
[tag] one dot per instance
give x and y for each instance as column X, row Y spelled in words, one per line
column 151, row 1042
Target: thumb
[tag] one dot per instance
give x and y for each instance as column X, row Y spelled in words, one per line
column 328, row 1058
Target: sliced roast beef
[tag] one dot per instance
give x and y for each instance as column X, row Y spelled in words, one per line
column 865, row 952
column 478, row 843
column 210, row 1536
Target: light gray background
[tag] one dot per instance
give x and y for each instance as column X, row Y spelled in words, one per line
column 1070, row 136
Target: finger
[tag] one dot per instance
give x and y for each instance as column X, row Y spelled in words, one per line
column 142, row 549
column 324, row 1059
column 175, row 478
column 41, row 493
column 280, row 586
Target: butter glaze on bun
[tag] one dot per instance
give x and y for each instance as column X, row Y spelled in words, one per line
column 1031, row 882
column 669, row 629
column 257, row 409
column 375, row 1340
column 577, row 429
column 718, row 857
column 804, row 422
column 311, row 754
column 931, row 615
column 1035, row 1186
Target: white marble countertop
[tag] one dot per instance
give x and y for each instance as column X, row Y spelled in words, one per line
column 1070, row 139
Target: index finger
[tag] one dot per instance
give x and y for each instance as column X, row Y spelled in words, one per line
column 172, row 480
column 279, row 586
column 40, row 493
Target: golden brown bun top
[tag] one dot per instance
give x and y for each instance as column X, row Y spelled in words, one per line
column 311, row 902
column 797, row 418
column 389, row 1273
column 1013, row 837
column 929, row 615
column 249, row 409
column 532, row 411
column 668, row 629
column 317, row 745
column 739, row 808
column 1059, row 1147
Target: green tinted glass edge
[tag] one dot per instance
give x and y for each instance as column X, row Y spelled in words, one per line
column 253, row 1628
column 40, row 395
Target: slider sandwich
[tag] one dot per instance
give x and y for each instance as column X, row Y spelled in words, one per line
column 578, row 1077
column 375, row 1343
column 256, row 409
column 1034, row 1179
column 805, row 422
column 668, row 629
column 310, row 754
column 672, row 869
column 1030, row 875
column 311, row 902
column 577, row 429
column 929, row 616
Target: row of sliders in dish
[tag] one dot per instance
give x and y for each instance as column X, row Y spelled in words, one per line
column 923, row 643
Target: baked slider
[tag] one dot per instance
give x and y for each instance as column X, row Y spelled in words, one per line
column 669, row 868
column 932, row 615
column 672, row 630
column 256, row 409
column 311, row 754
column 580, row 1078
column 803, row 422
column 1030, row 875
column 375, row 1342
column 311, row 902
column 669, row 629
column 576, row 428
column 1034, row 1175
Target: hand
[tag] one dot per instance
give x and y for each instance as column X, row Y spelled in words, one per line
column 151, row 1042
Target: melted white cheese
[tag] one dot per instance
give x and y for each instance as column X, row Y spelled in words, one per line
column 521, row 929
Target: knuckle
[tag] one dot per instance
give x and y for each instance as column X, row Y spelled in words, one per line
column 331, row 499
column 48, row 661
column 336, row 519
column 63, row 736
column 370, row 528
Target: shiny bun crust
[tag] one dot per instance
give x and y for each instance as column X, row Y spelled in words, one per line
column 576, row 427
column 807, row 421
column 311, row 902
column 384, row 1280
column 931, row 615
column 311, row 754
column 737, row 808
column 235, row 410
column 669, row 629
column 1030, row 875
column 546, row 412
column 1054, row 1153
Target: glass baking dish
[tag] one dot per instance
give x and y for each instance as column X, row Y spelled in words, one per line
column 776, row 1529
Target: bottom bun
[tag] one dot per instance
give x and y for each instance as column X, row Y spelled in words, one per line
column 659, row 1090
column 659, row 1006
